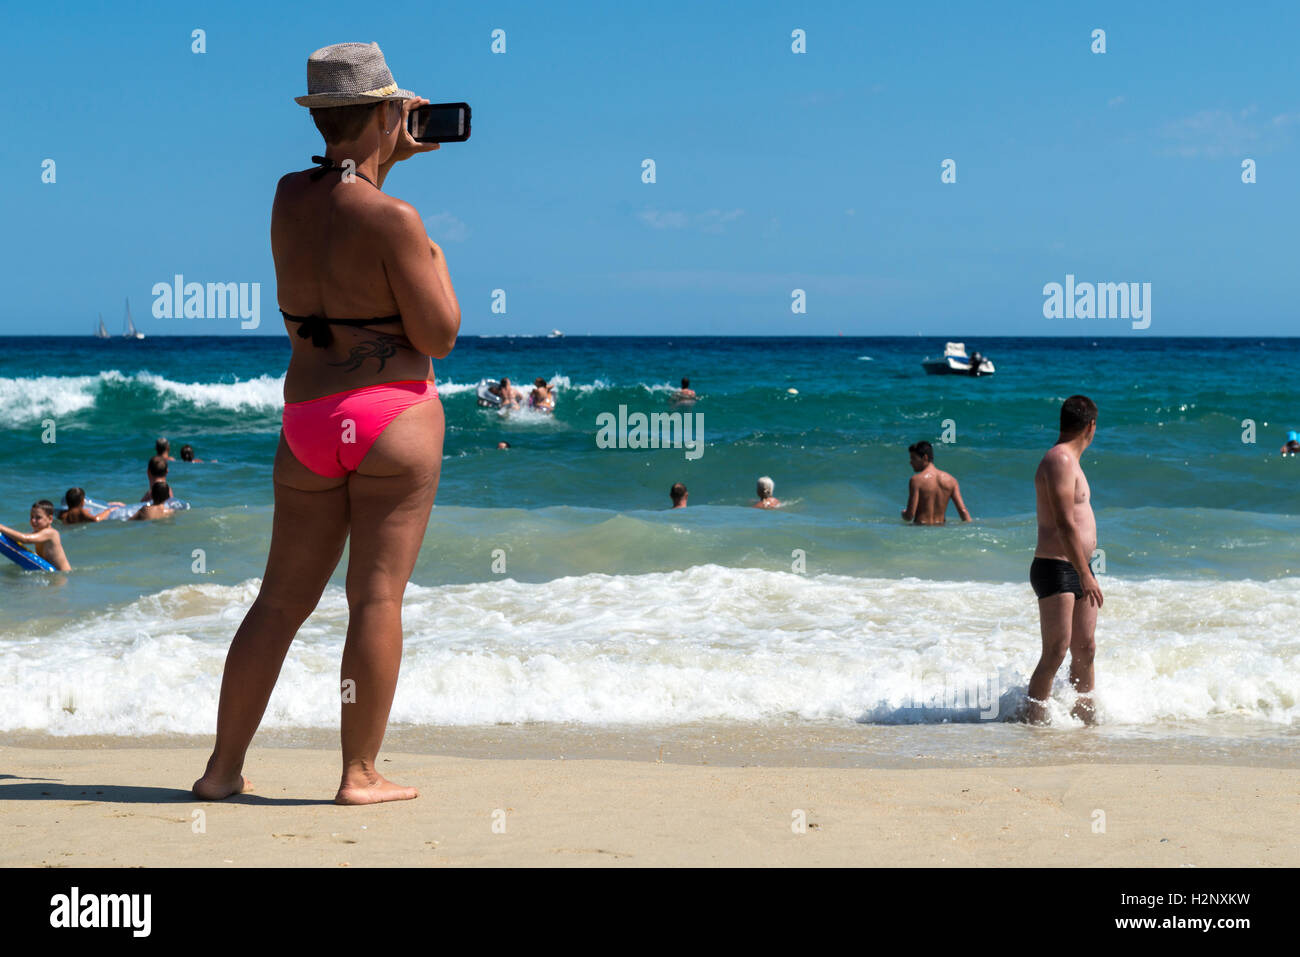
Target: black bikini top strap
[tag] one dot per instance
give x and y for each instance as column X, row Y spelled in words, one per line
column 317, row 328
column 327, row 165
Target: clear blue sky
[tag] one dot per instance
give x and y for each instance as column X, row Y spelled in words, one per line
column 775, row 170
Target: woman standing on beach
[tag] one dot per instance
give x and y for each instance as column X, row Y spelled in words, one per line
column 361, row 447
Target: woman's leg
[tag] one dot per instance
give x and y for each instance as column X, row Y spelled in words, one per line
column 389, row 497
column 307, row 536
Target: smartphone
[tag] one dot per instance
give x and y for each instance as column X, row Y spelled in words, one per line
column 439, row 123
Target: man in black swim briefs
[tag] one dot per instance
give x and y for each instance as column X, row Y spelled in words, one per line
column 1068, row 594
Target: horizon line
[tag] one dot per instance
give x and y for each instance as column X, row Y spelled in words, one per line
column 636, row 335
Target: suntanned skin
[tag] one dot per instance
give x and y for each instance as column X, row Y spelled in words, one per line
column 510, row 395
column 78, row 515
column 766, row 499
column 44, row 539
column 542, row 398
column 150, row 512
column 346, row 250
column 1067, row 531
column 928, row 494
column 148, row 495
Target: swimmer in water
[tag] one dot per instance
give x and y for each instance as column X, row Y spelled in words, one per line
column 542, row 398
column 187, row 454
column 1292, row 446
column 157, row 471
column 510, row 396
column 158, row 495
column 44, row 537
column 930, row 490
column 765, row 497
column 679, row 495
column 685, row 393
column 76, row 513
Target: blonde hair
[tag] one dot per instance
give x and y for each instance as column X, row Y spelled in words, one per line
column 766, row 486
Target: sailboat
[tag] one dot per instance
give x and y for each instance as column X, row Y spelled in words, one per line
column 131, row 331
column 102, row 331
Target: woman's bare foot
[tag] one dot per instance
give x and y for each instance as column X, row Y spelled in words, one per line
column 371, row 787
column 212, row 788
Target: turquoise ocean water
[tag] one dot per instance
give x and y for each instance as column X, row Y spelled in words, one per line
column 613, row 610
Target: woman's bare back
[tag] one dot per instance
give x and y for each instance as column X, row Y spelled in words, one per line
column 329, row 241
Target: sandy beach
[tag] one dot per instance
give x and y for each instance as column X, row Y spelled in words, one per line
column 64, row 807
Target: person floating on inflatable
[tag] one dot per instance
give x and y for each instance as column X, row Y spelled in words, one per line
column 44, row 537
column 159, row 493
column 542, row 398
column 79, row 508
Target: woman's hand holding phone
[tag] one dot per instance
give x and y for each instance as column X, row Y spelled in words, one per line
column 407, row 146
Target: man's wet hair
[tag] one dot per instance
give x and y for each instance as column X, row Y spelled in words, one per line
column 187, row 453
column 686, row 383
column 1076, row 413
column 677, row 492
column 341, row 124
column 76, row 497
column 159, row 492
column 923, row 449
column 46, row 506
column 539, row 381
column 157, row 467
column 161, row 447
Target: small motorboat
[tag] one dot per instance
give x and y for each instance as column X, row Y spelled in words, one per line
column 555, row 334
column 956, row 362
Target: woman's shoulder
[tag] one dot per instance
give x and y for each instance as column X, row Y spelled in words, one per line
column 288, row 179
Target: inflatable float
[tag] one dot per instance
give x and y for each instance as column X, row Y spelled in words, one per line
column 487, row 399
column 22, row 557
column 124, row 512
column 90, row 506
column 117, row 512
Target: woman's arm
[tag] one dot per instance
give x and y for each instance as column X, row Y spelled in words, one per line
column 417, row 274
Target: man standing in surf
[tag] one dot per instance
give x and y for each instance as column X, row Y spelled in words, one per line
column 1068, row 594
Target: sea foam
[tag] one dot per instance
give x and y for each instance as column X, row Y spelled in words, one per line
column 706, row 643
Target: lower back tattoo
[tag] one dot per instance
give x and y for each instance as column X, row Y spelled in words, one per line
column 382, row 347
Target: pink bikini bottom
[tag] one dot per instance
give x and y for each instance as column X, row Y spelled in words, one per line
column 332, row 434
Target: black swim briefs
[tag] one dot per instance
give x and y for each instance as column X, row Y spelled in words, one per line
column 1051, row 576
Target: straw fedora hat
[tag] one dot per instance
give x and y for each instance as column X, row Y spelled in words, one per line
column 349, row 74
